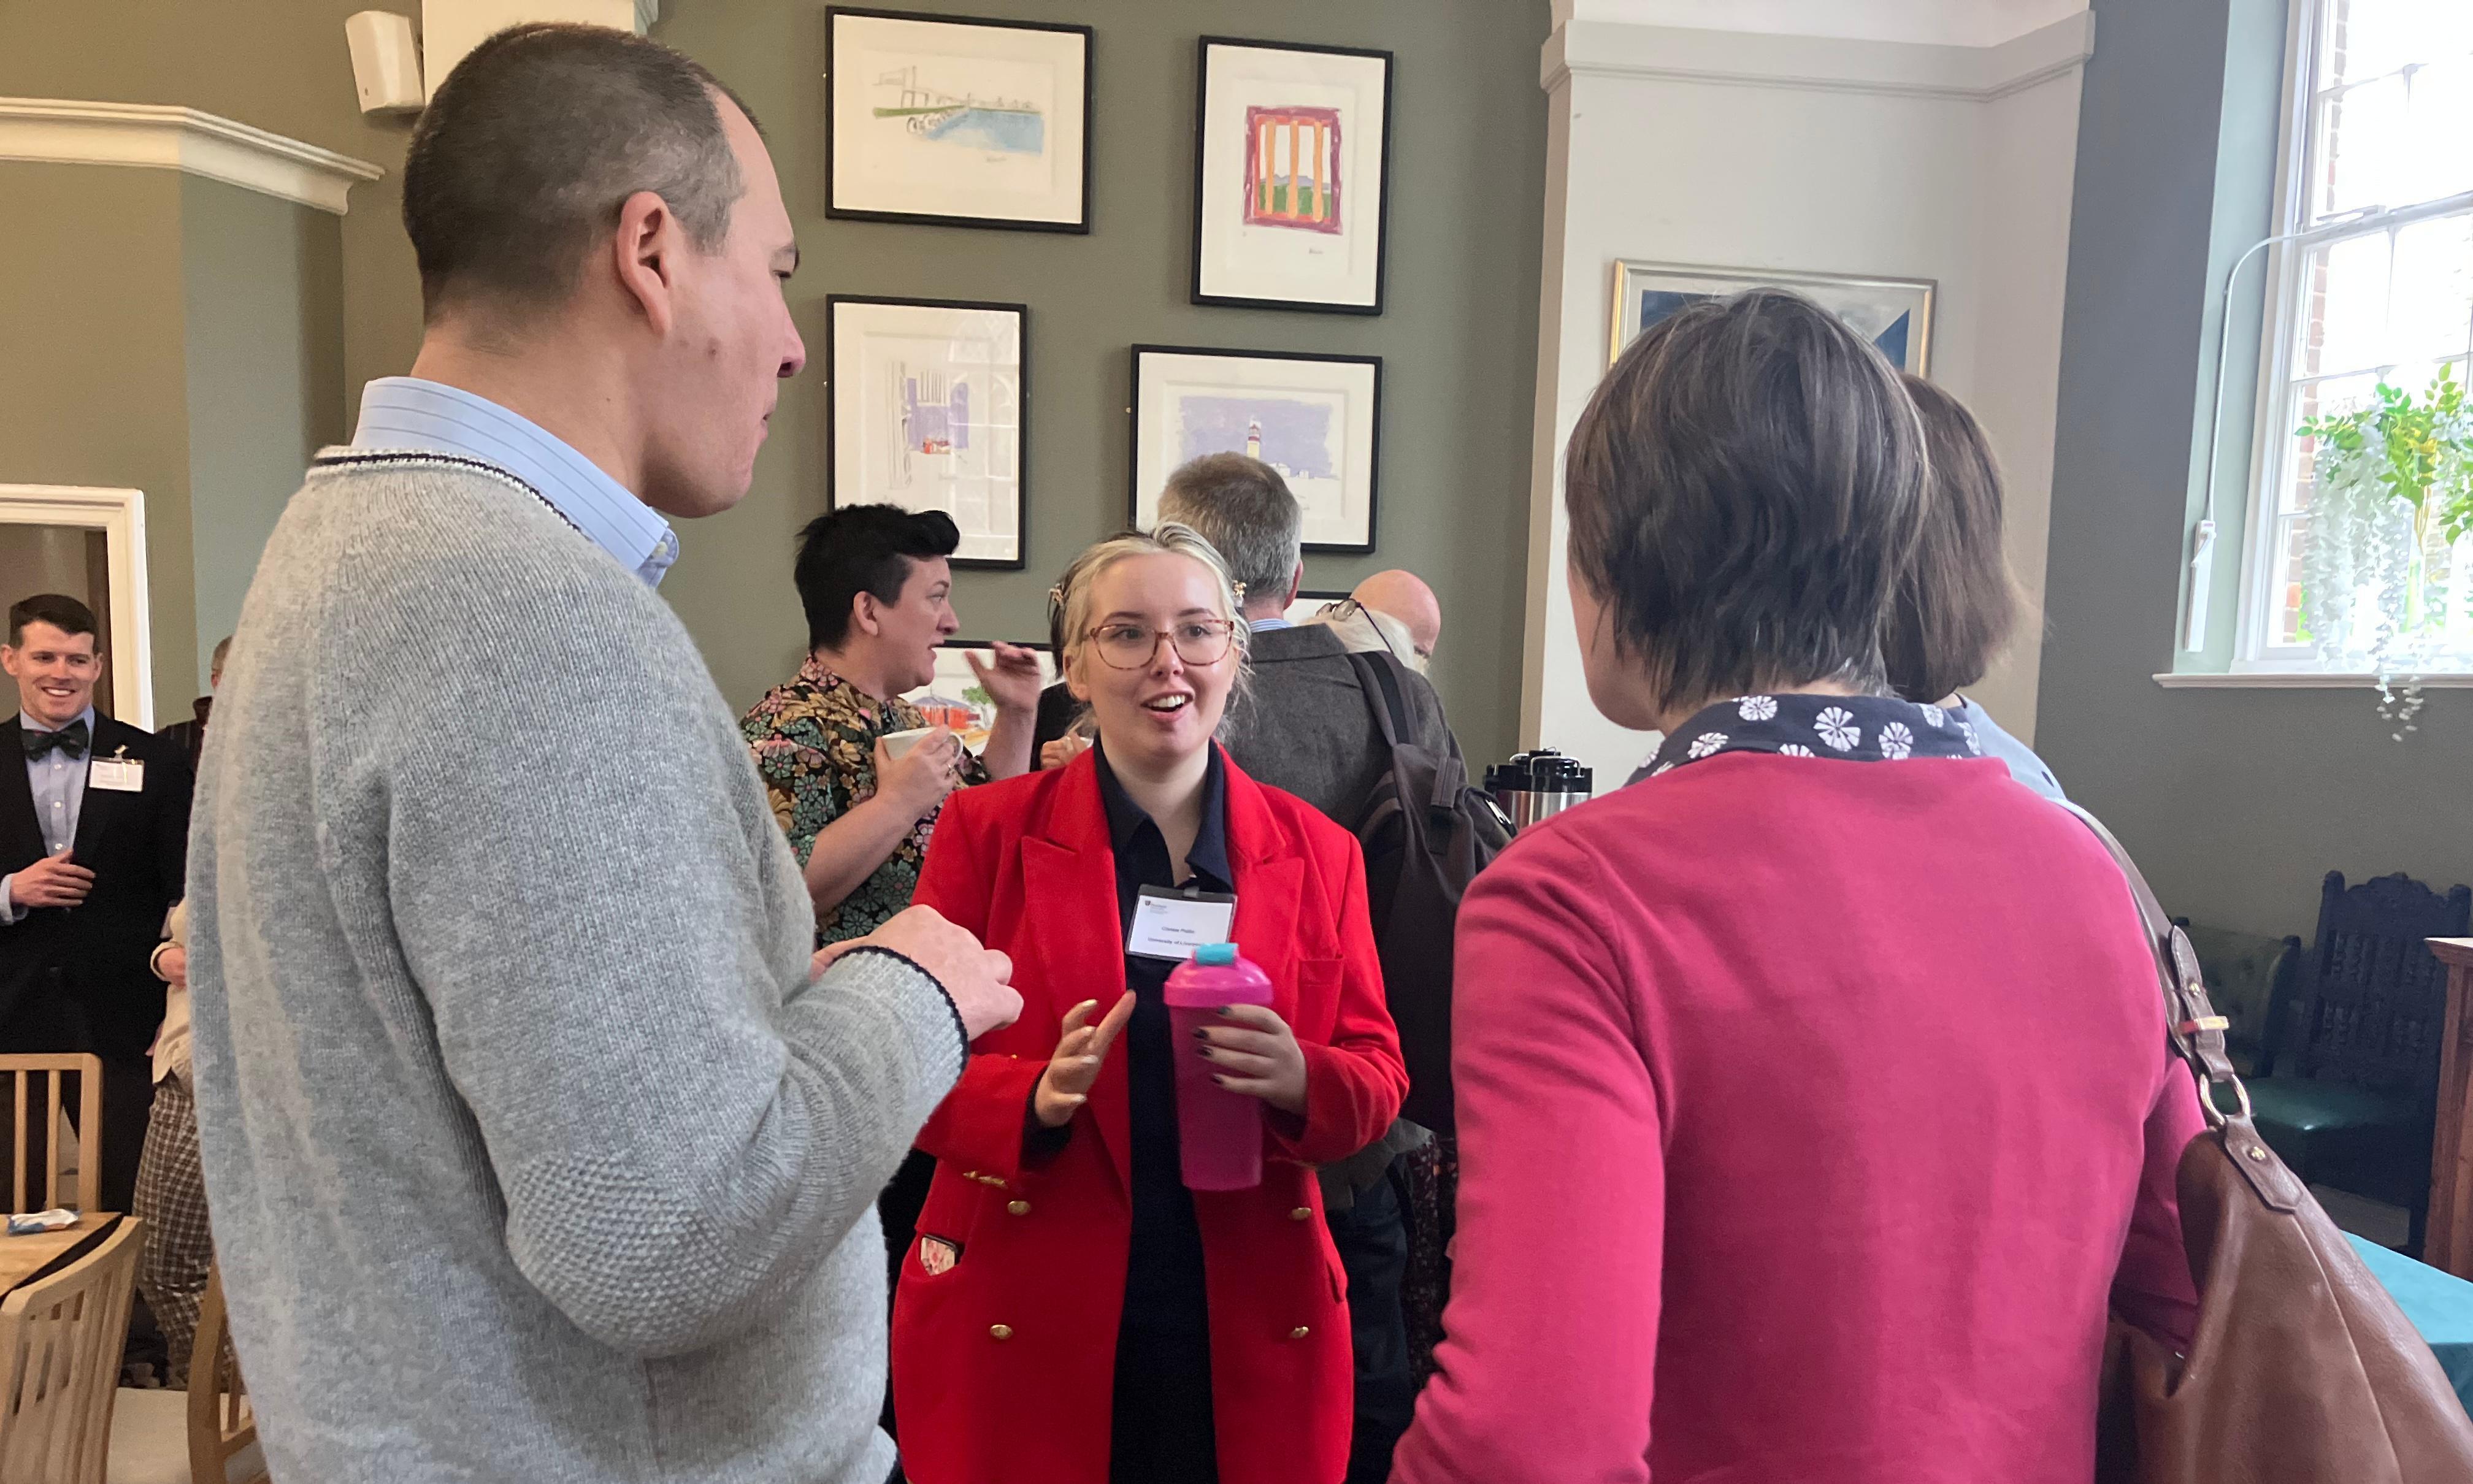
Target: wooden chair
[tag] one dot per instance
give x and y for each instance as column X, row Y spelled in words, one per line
column 205, row 1435
column 61, row 1339
column 45, row 1069
column 2356, row 1106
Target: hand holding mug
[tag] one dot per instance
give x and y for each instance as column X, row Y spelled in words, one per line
column 920, row 778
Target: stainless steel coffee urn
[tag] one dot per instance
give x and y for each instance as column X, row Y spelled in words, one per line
column 1538, row 785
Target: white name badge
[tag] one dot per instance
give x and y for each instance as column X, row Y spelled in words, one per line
column 118, row 775
column 1170, row 925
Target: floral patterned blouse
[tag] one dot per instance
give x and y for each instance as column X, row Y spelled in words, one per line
column 1865, row 729
column 815, row 741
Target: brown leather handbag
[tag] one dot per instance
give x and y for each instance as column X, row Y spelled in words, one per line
column 2301, row 1369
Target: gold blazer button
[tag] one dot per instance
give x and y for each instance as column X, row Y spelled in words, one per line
column 1297, row 1333
column 1301, row 1214
column 999, row 1332
column 1018, row 1207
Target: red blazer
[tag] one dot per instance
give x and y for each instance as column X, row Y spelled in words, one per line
column 1004, row 1366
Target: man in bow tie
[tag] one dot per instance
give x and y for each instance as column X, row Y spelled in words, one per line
column 94, row 827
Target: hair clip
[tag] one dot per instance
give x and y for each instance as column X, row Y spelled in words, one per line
column 1239, row 590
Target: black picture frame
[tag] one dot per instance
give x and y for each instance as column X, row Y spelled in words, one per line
column 1201, row 152
column 1020, row 559
column 832, row 72
column 1373, row 450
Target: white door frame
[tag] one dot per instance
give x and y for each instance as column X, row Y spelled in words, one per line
column 120, row 515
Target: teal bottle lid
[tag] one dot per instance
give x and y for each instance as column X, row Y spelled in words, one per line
column 1215, row 955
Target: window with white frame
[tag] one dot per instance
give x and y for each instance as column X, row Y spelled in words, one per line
column 2359, row 553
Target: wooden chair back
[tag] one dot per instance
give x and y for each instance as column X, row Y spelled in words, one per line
column 2378, row 997
column 61, row 1339
column 221, row 1422
column 33, row 1132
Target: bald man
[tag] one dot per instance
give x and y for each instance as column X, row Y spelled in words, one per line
column 1392, row 611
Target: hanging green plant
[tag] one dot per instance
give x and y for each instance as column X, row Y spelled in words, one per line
column 2380, row 569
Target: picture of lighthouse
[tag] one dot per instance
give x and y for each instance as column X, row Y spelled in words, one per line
column 1254, row 439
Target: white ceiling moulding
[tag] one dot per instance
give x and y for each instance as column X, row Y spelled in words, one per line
column 1776, row 60
column 1943, row 22
column 56, row 131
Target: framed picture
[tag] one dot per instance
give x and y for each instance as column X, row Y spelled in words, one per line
column 1291, row 176
column 928, row 411
column 955, row 700
column 958, row 121
column 1313, row 417
column 1895, row 314
column 1306, row 604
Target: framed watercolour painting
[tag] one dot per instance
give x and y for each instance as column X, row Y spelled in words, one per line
column 1895, row 314
column 1292, row 176
column 958, row 121
column 928, row 411
column 1313, row 417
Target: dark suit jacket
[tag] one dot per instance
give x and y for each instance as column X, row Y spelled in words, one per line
column 1309, row 728
column 75, row 978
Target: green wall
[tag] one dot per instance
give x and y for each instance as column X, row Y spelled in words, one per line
column 261, row 282
column 1459, row 342
column 2235, row 802
column 92, row 385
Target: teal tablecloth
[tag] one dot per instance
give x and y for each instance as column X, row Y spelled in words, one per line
column 2440, row 1305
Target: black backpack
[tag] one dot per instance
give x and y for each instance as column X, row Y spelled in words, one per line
column 1427, row 832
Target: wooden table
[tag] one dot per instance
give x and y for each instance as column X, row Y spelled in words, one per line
column 2448, row 1244
column 22, row 1258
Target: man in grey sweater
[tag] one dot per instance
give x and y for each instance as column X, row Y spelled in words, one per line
column 535, row 1153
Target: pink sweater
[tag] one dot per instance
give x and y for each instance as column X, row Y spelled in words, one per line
column 1808, row 1111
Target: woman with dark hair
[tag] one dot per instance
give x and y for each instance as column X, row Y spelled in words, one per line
column 1813, row 1104
column 1959, row 602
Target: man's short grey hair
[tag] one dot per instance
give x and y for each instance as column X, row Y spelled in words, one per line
column 1242, row 507
column 534, row 142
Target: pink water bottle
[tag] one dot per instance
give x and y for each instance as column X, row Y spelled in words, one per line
column 1219, row 1133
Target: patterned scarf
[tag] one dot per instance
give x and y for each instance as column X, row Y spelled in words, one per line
column 1860, row 728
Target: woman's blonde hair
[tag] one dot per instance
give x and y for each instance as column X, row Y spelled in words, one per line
column 1070, row 600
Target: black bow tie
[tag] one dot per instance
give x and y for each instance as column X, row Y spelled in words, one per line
column 69, row 739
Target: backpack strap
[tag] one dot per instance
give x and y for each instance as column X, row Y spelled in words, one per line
column 1378, row 676
column 1383, row 695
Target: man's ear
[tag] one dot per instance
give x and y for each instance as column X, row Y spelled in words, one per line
column 645, row 251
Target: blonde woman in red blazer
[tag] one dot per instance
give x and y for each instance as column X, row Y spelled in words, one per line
column 1056, row 1322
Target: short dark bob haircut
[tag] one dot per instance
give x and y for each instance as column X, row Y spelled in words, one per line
column 1958, row 602
column 862, row 549
column 1745, row 488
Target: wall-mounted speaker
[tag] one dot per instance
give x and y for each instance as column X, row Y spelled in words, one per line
column 386, row 62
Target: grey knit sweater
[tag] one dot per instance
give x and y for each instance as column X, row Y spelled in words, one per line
column 533, row 1154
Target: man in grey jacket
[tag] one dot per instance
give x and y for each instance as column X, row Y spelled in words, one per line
column 539, row 1150
column 1309, row 728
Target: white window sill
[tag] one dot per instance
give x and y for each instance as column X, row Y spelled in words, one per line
column 2301, row 680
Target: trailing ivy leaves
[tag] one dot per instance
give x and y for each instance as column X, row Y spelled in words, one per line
column 2393, row 498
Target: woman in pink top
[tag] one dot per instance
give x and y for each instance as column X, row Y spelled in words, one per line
column 1813, row 1104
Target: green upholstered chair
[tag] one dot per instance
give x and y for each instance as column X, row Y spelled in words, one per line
column 2352, row 1104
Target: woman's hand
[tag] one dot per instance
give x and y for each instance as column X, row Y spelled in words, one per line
column 919, row 778
column 1257, row 1054
column 1012, row 681
column 1061, row 750
column 172, row 966
column 1066, row 1085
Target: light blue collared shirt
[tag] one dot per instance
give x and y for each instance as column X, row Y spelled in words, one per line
column 406, row 412
column 1266, row 625
column 59, row 784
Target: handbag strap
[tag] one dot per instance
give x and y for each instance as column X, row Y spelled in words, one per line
column 2195, row 1031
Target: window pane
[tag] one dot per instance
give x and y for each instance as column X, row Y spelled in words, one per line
column 2363, row 145
column 2365, row 38
column 2432, row 309
column 2290, row 626
column 2317, row 399
column 2344, row 306
column 2438, row 157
